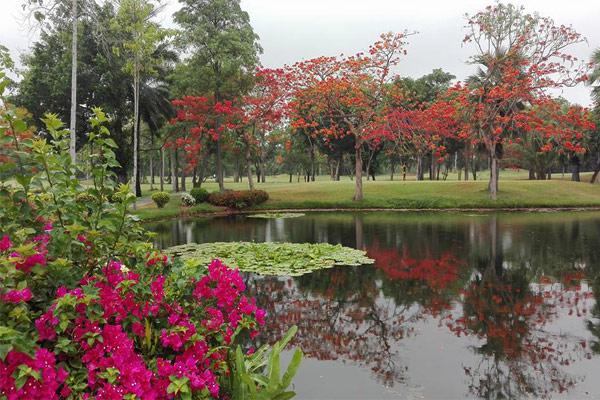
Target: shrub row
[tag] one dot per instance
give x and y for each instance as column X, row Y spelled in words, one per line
column 238, row 198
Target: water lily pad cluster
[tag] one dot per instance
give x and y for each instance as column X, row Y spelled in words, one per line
column 286, row 259
column 277, row 215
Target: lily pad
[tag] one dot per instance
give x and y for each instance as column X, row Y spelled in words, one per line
column 286, row 259
column 276, row 215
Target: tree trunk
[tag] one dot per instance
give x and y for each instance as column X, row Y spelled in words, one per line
column 531, row 174
column 263, row 171
column 219, row 162
column 162, row 169
column 72, row 127
column 432, row 167
column 575, row 172
column 174, row 180
column 338, row 165
column 151, row 165
column 596, row 170
column 392, row 171
column 419, row 171
column 249, row 168
column 183, row 188
column 136, row 126
column 236, row 171
column 312, row 163
column 466, row 157
column 358, row 189
column 494, row 170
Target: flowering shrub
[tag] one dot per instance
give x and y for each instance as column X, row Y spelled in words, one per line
column 161, row 199
column 88, row 309
column 187, row 200
column 238, row 198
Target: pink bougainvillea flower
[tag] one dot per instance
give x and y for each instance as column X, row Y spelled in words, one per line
column 17, row 296
column 5, row 243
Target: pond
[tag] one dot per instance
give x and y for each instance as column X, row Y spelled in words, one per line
column 456, row 306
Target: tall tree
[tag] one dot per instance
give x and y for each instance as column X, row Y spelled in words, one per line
column 142, row 36
column 521, row 56
column 350, row 93
column 223, row 52
column 52, row 10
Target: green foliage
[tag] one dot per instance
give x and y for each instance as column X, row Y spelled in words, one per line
column 285, row 259
column 276, row 215
column 223, row 47
column 161, row 199
column 238, row 199
column 140, row 35
column 199, row 194
column 257, row 377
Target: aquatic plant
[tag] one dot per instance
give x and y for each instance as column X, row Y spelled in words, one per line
column 286, row 259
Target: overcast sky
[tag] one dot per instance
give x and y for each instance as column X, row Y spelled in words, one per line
column 292, row 30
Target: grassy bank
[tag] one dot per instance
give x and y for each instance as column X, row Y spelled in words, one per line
column 515, row 192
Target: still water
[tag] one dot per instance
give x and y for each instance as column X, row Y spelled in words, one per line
column 456, row 306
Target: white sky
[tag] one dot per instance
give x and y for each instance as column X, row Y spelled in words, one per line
column 291, row 30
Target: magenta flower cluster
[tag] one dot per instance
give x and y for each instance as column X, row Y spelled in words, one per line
column 127, row 332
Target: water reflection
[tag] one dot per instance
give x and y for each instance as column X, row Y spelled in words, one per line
column 516, row 292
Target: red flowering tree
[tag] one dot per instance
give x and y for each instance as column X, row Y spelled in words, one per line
column 193, row 126
column 521, row 56
column 260, row 112
column 347, row 96
column 421, row 130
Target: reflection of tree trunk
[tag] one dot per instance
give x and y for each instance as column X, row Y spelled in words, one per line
column 358, row 188
column 358, row 230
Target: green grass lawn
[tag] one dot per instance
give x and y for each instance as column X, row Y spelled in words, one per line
column 515, row 192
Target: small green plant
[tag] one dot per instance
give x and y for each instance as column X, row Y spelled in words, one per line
column 161, row 199
column 199, row 194
column 257, row 377
column 187, row 200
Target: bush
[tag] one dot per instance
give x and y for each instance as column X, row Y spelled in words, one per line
column 89, row 310
column 187, row 200
column 238, row 198
column 161, row 199
column 199, row 194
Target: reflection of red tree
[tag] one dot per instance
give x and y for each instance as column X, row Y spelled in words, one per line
column 520, row 355
column 354, row 326
column 437, row 274
column 429, row 279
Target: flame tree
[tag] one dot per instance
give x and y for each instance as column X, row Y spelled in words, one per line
column 520, row 57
